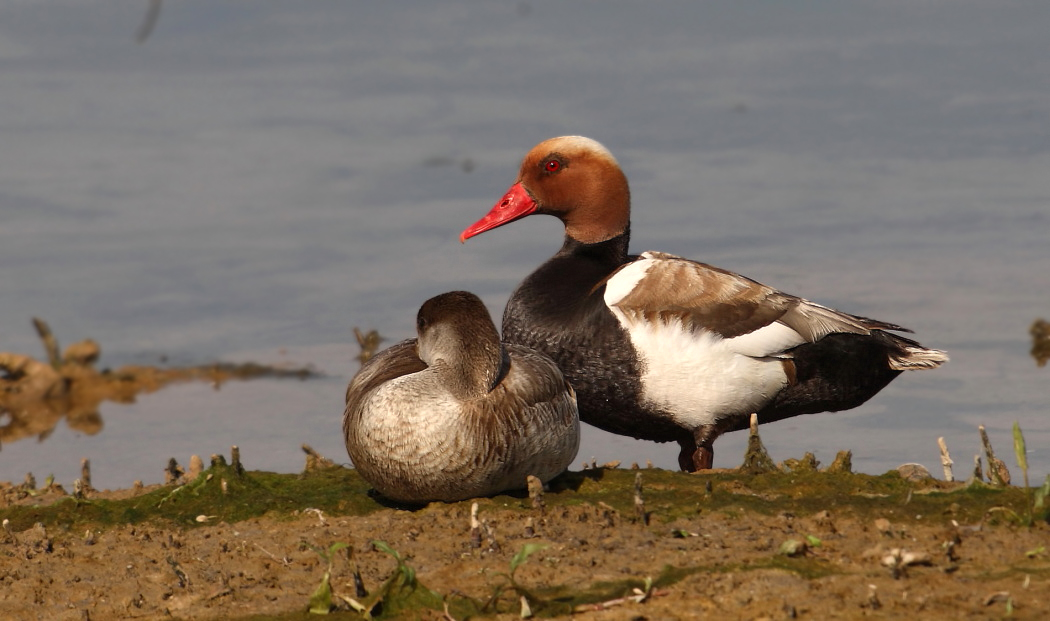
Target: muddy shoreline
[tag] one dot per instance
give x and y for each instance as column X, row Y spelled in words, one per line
column 796, row 542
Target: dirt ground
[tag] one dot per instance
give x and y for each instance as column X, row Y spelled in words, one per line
column 789, row 545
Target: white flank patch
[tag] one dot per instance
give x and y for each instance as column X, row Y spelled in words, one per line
column 771, row 340
column 624, row 282
column 701, row 378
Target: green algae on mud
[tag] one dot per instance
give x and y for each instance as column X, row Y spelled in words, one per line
column 223, row 493
column 670, row 495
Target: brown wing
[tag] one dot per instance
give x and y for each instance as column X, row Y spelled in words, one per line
column 704, row 297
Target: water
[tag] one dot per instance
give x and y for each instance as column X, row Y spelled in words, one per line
column 257, row 179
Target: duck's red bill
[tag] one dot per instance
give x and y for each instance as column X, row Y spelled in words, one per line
column 515, row 204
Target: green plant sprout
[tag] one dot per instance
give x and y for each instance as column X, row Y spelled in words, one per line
column 1042, row 493
column 1022, row 461
column 510, row 582
column 321, row 599
column 401, row 591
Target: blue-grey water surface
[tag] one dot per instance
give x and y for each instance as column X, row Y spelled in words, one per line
column 258, row 178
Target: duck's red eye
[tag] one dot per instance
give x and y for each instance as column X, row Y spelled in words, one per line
column 552, row 166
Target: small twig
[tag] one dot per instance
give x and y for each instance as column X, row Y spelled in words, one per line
column 85, row 473
column 369, row 343
column 873, row 597
column 7, row 529
column 756, row 458
column 998, row 596
column 490, row 536
column 475, row 527
column 535, row 487
column 359, row 585
column 843, row 463
column 447, row 615
column 989, row 453
column 315, row 460
column 997, row 472
column 946, row 460
column 179, row 573
column 639, row 501
column 639, row 597
column 319, row 513
column 899, row 559
column 172, row 471
column 50, row 343
column 284, row 561
column 196, row 467
column 235, row 459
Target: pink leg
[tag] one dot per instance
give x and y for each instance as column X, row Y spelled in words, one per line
column 693, row 457
column 704, row 457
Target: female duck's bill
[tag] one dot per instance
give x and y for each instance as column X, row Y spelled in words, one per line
column 457, row 414
column 663, row 348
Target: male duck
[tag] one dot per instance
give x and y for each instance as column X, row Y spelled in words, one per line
column 663, row 348
column 456, row 414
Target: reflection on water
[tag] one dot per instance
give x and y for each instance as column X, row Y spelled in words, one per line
column 39, row 418
column 1040, row 332
column 35, row 396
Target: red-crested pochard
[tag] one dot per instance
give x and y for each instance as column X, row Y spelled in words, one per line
column 663, row 348
column 457, row 414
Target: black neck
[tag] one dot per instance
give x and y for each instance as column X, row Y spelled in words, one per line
column 612, row 251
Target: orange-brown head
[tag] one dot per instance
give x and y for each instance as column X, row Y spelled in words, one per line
column 573, row 178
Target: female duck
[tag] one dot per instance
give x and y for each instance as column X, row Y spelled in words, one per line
column 663, row 348
column 456, row 414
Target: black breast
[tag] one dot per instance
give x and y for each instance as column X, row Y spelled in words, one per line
column 557, row 310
